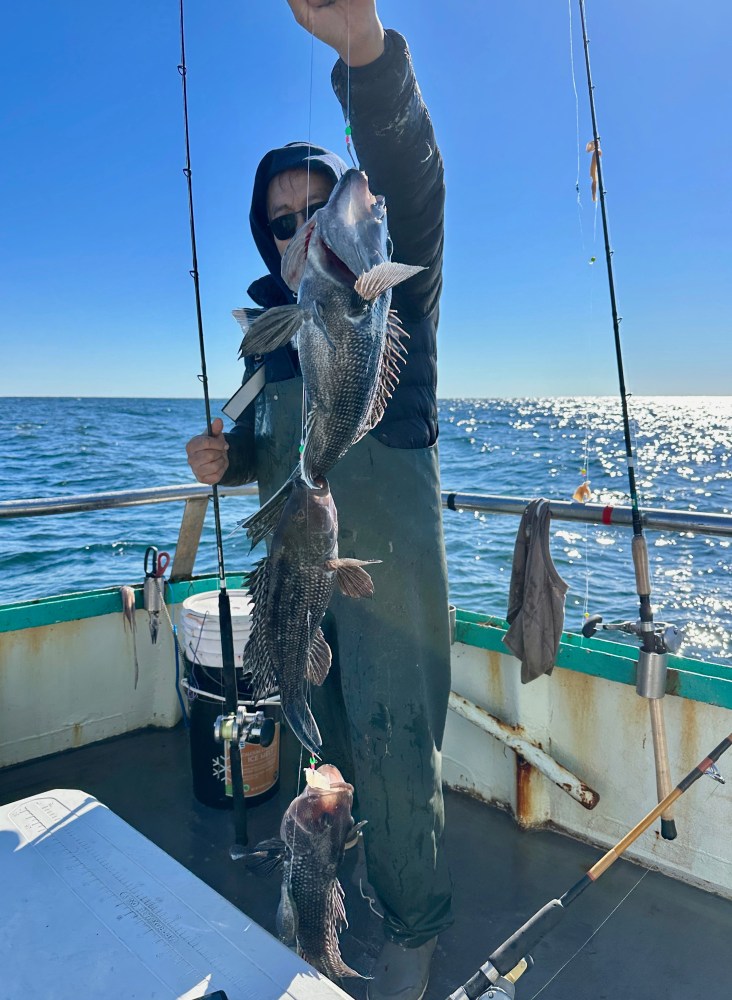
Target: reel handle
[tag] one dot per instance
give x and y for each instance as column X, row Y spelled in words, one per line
column 591, row 626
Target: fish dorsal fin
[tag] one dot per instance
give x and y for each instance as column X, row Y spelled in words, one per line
column 266, row 518
column 245, row 318
column 392, row 360
column 256, row 656
column 330, row 961
column 272, row 329
column 266, row 857
column 351, row 578
column 338, row 906
column 386, row 275
column 295, row 257
column 319, row 660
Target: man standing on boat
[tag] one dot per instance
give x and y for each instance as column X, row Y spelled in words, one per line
column 383, row 707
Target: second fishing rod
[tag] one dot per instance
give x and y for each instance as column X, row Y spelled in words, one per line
column 657, row 639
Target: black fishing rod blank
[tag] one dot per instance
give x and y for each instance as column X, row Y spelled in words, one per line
column 653, row 655
column 496, row 977
column 228, row 727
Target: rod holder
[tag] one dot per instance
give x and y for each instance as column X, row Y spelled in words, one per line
column 650, row 678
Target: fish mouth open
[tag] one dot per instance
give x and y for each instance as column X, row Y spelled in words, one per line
column 337, row 267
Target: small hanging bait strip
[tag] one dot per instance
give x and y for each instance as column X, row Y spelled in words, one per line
column 594, row 148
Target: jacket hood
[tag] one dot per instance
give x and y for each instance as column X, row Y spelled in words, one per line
column 276, row 161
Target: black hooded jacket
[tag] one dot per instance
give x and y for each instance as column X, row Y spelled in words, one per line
column 393, row 135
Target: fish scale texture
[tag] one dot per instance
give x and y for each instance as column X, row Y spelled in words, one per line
column 341, row 356
column 291, row 590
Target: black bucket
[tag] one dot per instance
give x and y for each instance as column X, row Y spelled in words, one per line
column 210, row 766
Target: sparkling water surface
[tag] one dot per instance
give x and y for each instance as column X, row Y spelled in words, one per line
column 517, row 447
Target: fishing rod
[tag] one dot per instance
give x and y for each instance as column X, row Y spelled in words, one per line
column 231, row 727
column 657, row 639
column 496, row 977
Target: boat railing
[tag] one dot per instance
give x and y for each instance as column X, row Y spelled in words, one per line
column 196, row 497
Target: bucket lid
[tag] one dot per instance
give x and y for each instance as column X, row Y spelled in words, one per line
column 206, row 605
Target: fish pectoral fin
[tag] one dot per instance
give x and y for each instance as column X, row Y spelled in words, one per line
column 319, row 660
column 272, row 329
column 351, row 578
column 287, row 917
column 245, row 318
column 266, row 518
column 371, row 284
column 266, row 857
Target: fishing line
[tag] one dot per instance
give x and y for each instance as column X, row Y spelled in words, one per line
column 225, row 625
column 585, row 468
column 596, row 931
column 576, row 114
column 348, row 84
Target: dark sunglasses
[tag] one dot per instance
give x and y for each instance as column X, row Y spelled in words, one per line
column 284, row 227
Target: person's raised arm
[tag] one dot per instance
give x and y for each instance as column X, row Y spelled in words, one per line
column 392, row 133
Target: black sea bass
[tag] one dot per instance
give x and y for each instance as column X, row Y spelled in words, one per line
column 290, row 591
column 349, row 341
column 314, row 831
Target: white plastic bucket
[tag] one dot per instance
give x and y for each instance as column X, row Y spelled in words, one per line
column 201, row 627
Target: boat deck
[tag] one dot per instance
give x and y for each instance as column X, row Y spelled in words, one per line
column 666, row 940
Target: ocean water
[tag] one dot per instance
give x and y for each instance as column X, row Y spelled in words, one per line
column 518, row 447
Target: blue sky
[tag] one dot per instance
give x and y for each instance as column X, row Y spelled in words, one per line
column 94, row 281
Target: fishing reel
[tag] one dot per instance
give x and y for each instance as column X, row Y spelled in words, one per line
column 666, row 638
column 245, row 727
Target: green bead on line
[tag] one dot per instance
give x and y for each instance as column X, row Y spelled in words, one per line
column 348, row 129
column 301, row 449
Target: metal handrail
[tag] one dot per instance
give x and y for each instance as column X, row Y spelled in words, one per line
column 42, row 506
column 654, row 518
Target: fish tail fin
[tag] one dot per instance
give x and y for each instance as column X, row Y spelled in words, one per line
column 302, row 722
column 266, row 518
column 333, row 967
column 308, row 471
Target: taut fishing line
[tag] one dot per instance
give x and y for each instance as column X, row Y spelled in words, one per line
column 597, row 930
column 585, row 467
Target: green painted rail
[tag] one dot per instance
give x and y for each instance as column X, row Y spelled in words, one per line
column 696, row 680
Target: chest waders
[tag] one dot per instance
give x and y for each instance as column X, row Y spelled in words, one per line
column 382, row 710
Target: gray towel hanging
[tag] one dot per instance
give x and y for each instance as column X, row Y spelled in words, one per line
column 536, row 596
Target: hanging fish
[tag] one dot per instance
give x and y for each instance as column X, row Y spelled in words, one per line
column 313, row 834
column 128, row 611
column 594, row 148
column 290, row 591
column 349, row 341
